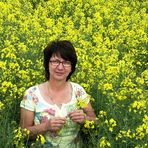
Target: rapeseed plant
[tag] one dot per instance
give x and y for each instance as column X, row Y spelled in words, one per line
column 104, row 143
column 40, row 138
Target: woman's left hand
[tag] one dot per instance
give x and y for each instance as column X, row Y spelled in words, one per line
column 77, row 116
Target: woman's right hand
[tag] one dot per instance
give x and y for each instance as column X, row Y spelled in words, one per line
column 54, row 124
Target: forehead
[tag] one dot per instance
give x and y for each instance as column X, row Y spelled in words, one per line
column 61, row 55
column 56, row 56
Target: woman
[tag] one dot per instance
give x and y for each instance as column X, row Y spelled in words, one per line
column 51, row 108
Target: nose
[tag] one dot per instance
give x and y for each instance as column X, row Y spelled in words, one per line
column 60, row 66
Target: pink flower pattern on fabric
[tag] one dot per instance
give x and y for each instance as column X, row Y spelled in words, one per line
column 78, row 93
column 47, row 114
column 35, row 99
column 33, row 96
column 50, row 111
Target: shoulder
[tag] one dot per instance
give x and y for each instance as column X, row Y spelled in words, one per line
column 32, row 89
column 76, row 85
column 31, row 95
column 79, row 90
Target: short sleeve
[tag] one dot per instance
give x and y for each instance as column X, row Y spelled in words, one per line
column 82, row 97
column 29, row 99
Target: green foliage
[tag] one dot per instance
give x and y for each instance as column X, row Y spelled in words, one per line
column 111, row 42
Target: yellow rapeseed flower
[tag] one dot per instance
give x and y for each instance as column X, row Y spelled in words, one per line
column 1, row 105
column 89, row 124
column 102, row 114
column 138, row 106
column 40, row 138
column 107, row 86
column 112, row 122
column 82, row 103
column 104, row 143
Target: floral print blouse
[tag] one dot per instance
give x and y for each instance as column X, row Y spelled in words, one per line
column 67, row 136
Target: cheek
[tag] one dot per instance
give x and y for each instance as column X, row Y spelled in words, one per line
column 70, row 69
column 50, row 70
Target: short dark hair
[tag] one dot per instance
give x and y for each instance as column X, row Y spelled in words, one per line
column 65, row 49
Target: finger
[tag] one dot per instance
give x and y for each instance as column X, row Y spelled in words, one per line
column 57, row 126
column 78, row 117
column 78, row 120
column 75, row 111
column 54, row 124
column 82, row 117
column 80, row 113
column 58, row 120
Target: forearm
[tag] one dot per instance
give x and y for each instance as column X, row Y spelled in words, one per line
column 88, row 117
column 89, row 114
column 35, row 130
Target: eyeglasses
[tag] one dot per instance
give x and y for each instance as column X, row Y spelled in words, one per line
column 57, row 63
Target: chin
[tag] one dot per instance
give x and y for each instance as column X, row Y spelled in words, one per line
column 60, row 78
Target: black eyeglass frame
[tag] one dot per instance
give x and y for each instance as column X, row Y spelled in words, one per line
column 58, row 62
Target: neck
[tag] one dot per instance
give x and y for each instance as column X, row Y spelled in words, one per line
column 54, row 85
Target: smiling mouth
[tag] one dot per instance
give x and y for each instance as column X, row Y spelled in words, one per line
column 59, row 73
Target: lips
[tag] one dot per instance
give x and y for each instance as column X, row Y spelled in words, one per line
column 59, row 73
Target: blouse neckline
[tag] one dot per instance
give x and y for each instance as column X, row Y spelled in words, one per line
column 54, row 104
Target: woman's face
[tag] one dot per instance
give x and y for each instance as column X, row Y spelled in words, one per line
column 59, row 68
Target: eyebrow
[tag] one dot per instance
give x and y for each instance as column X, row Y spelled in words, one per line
column 54, row 57
column 57, row 59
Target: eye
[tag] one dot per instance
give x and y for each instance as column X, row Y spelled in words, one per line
column 66, row 63
column 54, row 62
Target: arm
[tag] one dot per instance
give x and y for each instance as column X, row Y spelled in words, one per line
column 89, row 111
column 27, row 121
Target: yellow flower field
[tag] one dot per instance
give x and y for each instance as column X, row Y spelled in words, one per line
column 110, row 38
